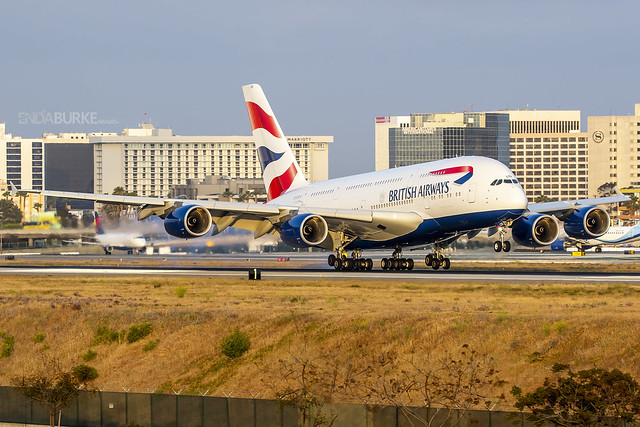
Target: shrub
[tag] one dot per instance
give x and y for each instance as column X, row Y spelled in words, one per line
column 151, row 345
column 84, row 373
column 89, row 355
column 8, row 341
column 560, row 326
column 235, row 344
column 584, row 397
column 180, row 291
column 137, row 332
column 38, row 338
column 106, row 335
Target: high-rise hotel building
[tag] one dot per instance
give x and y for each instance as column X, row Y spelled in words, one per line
column 148, row 161
column 418, row 138
column 614, row 151
column 549, row 154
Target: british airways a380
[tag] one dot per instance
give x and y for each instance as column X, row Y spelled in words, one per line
column 431, row 203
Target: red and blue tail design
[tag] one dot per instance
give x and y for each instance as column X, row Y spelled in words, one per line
column 457, row 169
column 99, row 229
column 280, row 170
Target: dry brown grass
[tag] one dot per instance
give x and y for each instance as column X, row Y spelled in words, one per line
column 525, row 328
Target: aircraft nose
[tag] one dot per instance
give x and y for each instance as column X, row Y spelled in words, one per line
column 519, row 198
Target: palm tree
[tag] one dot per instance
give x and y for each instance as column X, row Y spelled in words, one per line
column 633, row 204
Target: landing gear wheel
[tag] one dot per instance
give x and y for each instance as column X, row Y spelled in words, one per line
column 497, row 246
column 598, row 249
column 428, row 260
column 410, row 264
column 384, row 263
column 368, row 264
column 349, row 263
column 435, row 264
column 506, row 246
column 338, row 264
column 446, row 263
column 332, row 260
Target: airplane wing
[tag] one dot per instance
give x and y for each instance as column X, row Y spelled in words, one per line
column 82, row 242
column 564, row 208
column 264, row 218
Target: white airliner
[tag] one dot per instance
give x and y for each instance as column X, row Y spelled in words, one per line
column 615, row 236
column 130, row 242
column 413, row 206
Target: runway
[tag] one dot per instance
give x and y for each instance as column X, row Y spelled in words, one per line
column 310, row 266
column 453, row 276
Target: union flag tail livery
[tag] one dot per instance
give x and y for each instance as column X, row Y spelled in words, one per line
column 280, row 170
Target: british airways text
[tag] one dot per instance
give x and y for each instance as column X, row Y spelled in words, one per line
column 407, row 193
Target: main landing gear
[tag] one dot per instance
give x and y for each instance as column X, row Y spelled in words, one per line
column 396, row 262
column 342, row 263
column 437, row 260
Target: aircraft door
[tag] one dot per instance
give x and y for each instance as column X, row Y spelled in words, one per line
column 471, row 196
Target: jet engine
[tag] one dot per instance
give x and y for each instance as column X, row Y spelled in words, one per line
column 587, row 222
column 535, row 230
column 304, row 230
column 188, row 221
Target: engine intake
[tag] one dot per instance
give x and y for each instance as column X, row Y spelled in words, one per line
column 587, row 222
column 304, row 230
column 535, row 230
column 188, row 221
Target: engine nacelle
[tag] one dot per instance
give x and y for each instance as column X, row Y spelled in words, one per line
column 535, row 230
column 587, row 223
column 304, row 230
column 188, row 221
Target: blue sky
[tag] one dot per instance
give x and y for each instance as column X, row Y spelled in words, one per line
column 328, row 67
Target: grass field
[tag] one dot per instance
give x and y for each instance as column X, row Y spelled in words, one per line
column 524, row 328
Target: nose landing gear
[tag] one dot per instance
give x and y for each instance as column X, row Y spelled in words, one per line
column 502, row 244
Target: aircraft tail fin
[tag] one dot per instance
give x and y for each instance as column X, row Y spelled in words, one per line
column 280, row 170
column 99, row 229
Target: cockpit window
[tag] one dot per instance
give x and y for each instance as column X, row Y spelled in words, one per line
column 508, row 181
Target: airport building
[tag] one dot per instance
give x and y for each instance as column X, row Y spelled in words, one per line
column 614, row 151
column 149, row 161
column 418, row 138
column 549, row 154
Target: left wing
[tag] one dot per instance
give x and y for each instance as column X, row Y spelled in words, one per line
column 264, row 218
